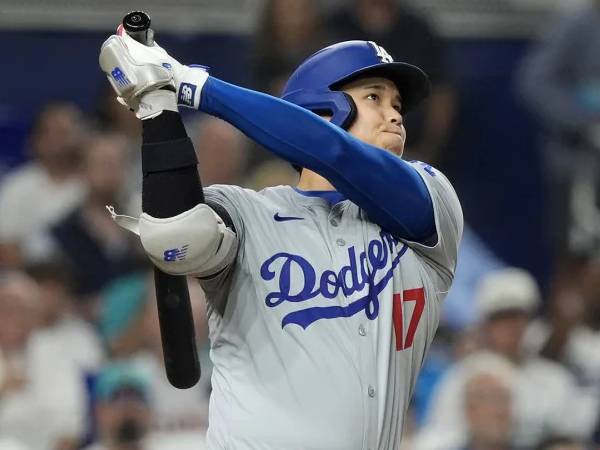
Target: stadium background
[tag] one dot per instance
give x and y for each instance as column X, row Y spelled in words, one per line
column 493, row 153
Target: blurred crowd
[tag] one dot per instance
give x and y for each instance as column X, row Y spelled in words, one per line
column 515, row 365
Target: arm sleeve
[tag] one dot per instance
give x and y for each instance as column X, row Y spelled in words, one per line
column 389, row 189
column 171, row 184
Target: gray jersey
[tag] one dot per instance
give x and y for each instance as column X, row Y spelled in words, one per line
column 320, row 325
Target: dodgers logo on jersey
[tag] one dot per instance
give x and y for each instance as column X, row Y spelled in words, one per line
column 120, row 77
column 187, row 92
column 363, row 270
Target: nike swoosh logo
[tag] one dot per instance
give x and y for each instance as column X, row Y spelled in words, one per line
column 279, row 218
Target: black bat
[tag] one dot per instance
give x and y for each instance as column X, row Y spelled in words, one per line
column 172, row 296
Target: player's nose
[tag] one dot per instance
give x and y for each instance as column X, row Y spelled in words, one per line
column 394, row 116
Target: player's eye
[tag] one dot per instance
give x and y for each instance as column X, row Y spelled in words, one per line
column 373, row 96
column 398, row 108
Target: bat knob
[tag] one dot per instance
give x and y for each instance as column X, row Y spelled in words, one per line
column 136, row 21
column 137, row 25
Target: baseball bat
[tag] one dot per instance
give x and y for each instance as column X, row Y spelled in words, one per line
column 172, row 295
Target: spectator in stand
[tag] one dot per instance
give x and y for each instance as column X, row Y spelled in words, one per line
column 223, row 151
column 560, row 81
column 43, row 190
column 175, row 410
column 121, row 316
column 87, row 239
column 289, row 31
column 488, row 403
column 409, row 38
column 43, row 397
column 124, row 415
column 60, row 321
column 571, row 336
column 546, row 392
column 485, row 397
column 122, row 412
column 111, row 117
column 130, row 327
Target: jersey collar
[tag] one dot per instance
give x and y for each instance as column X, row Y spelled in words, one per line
column 331, row 197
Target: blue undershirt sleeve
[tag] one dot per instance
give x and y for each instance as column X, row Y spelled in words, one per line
column 389, row 189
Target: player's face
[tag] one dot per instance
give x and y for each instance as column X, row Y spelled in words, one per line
column 378, row 120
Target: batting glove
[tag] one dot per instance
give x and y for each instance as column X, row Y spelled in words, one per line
column 134, row 70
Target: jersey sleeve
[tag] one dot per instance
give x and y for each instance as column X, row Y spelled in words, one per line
column 442, row 249
column 230, row 199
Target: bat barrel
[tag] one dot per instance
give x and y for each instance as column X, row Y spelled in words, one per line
column 177, row 330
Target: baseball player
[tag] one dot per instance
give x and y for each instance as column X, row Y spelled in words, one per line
column 324, row 297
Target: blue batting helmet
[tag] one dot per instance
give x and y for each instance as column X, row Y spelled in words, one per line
column 314, row 83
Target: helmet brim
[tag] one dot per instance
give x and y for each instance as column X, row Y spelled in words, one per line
column 412, row 83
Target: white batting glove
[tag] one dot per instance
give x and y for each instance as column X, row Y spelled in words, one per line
column 134, row 70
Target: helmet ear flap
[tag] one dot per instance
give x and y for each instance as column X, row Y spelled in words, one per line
column 351, row 115
column 338, row 104
column 344, row 118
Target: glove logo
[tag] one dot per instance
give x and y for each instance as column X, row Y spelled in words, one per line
column 175, row 254
column 187, row 92
column 120, row 77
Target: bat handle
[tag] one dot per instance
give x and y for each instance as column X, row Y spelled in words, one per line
column 137, row 25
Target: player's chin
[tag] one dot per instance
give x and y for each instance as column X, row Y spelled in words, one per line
column 393, row 144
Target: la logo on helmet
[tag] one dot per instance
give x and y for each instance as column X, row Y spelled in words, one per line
column 382, row 53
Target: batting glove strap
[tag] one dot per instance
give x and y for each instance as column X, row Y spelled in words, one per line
column 190, row 81
column 151, row 104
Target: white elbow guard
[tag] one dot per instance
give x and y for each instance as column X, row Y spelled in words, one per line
column 195, row 242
